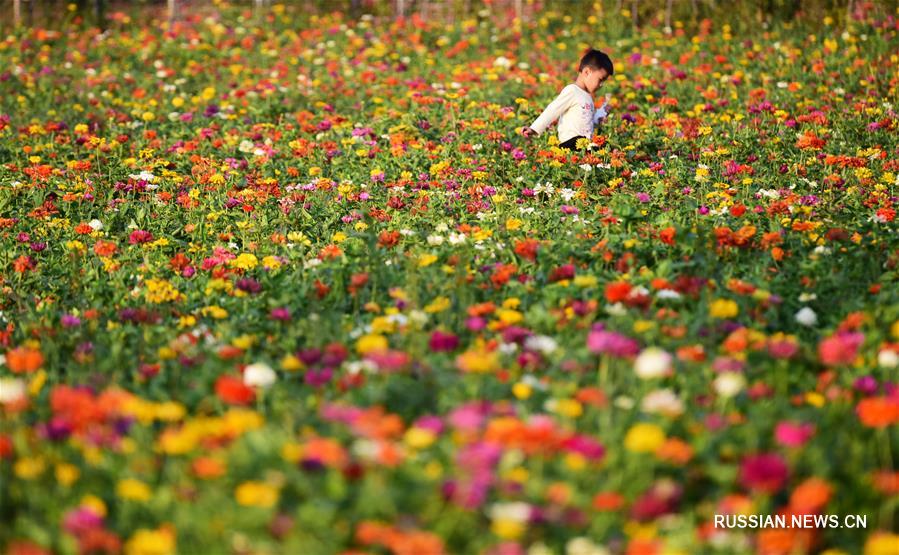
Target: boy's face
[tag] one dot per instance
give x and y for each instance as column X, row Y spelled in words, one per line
column 594, row 78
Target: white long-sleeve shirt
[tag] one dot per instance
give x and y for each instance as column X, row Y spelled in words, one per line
column 575, row 111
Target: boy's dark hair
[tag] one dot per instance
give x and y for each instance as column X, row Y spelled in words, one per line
column 597, row 60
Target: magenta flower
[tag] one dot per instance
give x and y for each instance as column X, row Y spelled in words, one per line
column 441, row 342
column 793, row 434
column 764, row 473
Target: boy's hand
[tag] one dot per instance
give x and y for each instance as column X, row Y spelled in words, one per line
column 528, row 132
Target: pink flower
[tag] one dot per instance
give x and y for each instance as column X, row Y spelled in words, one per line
column 840, row 349
column 615, row 344
column 793, row 434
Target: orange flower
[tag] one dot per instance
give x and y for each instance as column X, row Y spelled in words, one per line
column 810, row 496
column 608, row 501
column 23, row 360
column 878, row 412
column 676, row 451
column 205, row 467
column 330, row 251
column 667, row 235
column 886, row 482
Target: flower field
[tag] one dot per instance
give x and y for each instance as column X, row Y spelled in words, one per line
column 293, row 285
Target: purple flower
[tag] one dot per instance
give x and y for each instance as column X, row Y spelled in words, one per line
column 70, row 321
column 249, row 285
column 643, row 197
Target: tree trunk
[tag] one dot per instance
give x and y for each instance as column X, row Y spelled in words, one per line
column 668, row 14
column 634, row 18
column 17, row 12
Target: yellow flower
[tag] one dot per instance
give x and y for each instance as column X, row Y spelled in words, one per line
column 159, row 291
column 339, row 237
column 880, row 543
column 271, row 262
column 507, row 529
column 723, row 308
column 214, row 311
column 151, row 542
column 370, row 343
column 419, row 438
column 66, row 474
column 439, row 304
column 585, row 281
column 521, row 390
column 570, row 408
column 256, row 494
column 509, row 317
column 244, row 261
column 244, row 341
column 94, row 503
column 426, row 260
column 644, row 438
column 512, row 224
column 478, row 360
column 28, row 468
column 133, row 489
column 291, row 363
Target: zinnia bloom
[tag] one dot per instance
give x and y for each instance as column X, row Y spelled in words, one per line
column 840, row 349
column 765, row 473
column 878, row 412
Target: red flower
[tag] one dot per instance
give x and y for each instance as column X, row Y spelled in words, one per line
column 233, row 391
column 527, row 248
column 140, row 236
column 618, row 291
column 667, row 235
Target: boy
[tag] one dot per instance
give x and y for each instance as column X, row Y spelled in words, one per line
column 574, row 106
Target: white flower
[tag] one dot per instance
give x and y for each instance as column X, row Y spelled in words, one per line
column 508, row 348
column 502, row 62
column 662, row 401
column 11, row 390
column 541, row 343
column 586, row 167
column 516, row 511
column 144, row 175
column 667, row 294
column 807, row 317
column 584, row 546
column 652, row 362
column 356, row 366
column 616, row 309
column 259, row 374
column 567, row 194
column 456, row 238
column 623, row 402
column 729, row 384
column 888, row 358
column 442, row 227
column 96, row 225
